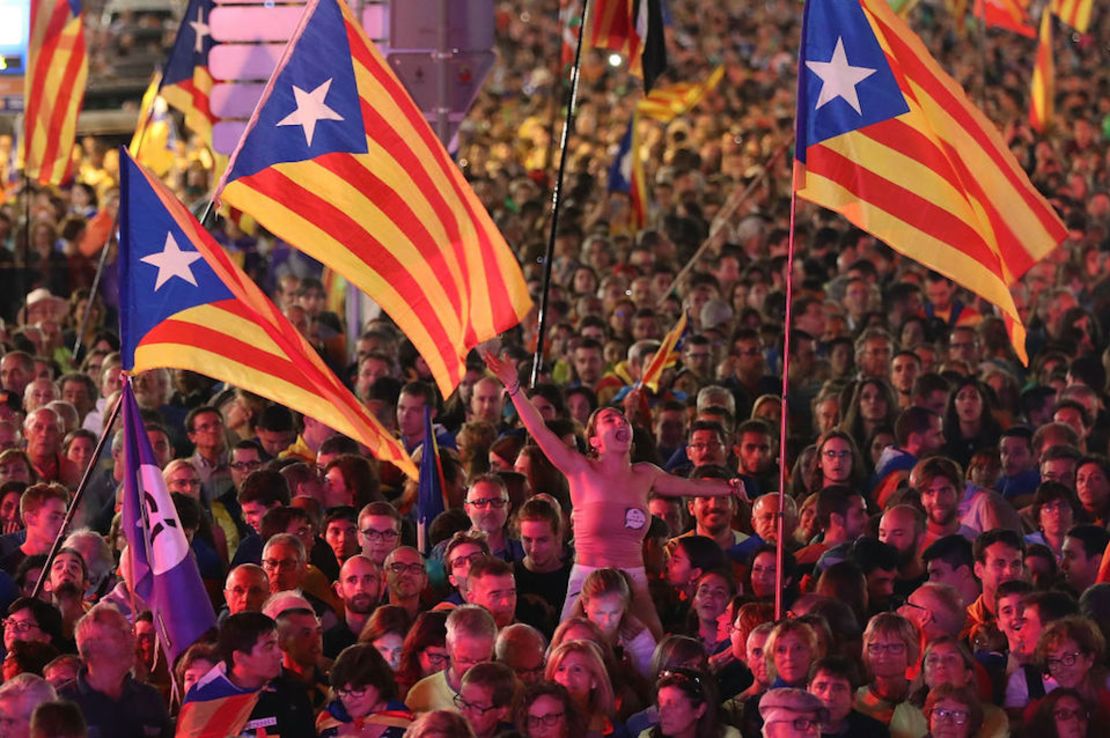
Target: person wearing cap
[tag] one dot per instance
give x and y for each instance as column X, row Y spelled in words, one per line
column 791, row 713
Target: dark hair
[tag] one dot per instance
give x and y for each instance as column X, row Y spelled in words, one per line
column 265, row 486
column 1051, row 604
column 703, row 552
column 384, row 620
column 913, row 419
column 46, row 615
column 191, row 418
column 277, row 418
column 988, row 538
column 429, row 629
column 576, row 719
column 359, row 474
column 361, row 665
column 700, row 689
column 1093, row 537
column 1043, row 720
column 1050, row 492
column 954, row 550
column 241, row 633
column 32, row 656
column 836, row 666
column 58, row 719
column 870, row 554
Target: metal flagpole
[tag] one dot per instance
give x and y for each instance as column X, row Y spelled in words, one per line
column 556, row 194
column 785, row 422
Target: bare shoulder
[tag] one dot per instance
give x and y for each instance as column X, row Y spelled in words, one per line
column 646, row 469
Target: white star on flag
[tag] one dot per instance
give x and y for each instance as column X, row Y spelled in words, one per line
column 311, row 109
column 838, row 78
column 201, row 30
column 172, row 262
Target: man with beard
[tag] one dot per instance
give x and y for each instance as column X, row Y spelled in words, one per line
column 902, row 527
column 713, row 515
column 405, row 578
column 359, row 587
column 66, row 584
column 939, row 483
column 999, row 557
column 487, row 505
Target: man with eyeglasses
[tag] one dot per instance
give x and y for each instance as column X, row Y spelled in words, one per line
column 471, row 633
column 379, row 530
column 463, row 549
column 791, row 713
column 246, row 589
column 32, row 620
column 406, row 578
column 485, row 698
column 487, row 505
column 208, row 434
column 286, row 565
column 262, row 491
column 833, row 681
column 359, row 587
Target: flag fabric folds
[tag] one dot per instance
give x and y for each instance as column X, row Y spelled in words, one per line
column 626, row 173
column 429, row 496
column 154, row 137
column 1076, row 13
column 185, row 305
column 891, row 142
column 338, row 161
column 216, row 708
column 633, row 28
column 1009, row 15
column 1043, row 84
column 57, row 72
column 163, row 571
column 609, row 24
column 186, row 82
column 667, row 103
column 666, row 357
column 570, row 21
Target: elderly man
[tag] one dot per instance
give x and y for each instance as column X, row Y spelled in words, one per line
column 791, row 713
column 285, row 562
column 406, row 578
column 471, row 633
column 246, row 589
column 112, row 701
column 522, row 648
column 936, row 609
column 19, row 697
column 43, row 430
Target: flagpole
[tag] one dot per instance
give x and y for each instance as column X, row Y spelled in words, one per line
column 784, row 422
column 27, row 197
column 556, row 194
column 85, row 479
column 731, row 206
column 95, row 286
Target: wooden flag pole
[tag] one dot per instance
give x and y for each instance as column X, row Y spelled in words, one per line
column 556, row 196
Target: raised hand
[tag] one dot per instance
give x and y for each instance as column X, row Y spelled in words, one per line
column 503, row 370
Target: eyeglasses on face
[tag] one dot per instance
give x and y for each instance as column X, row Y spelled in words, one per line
column 550, row 720
column 489, row 502
column 399, row 567
column 463, row 704
column 1063, row 714
column 1067, row 659
column 284, row 564
column 240, row 466
column 379, row 535
column 353, row 692
column 959, row 717
column 894, row 649
column 458, row 561
column 20, row 626
column 830, row 453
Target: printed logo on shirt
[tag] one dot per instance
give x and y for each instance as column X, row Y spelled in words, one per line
column 634, row 518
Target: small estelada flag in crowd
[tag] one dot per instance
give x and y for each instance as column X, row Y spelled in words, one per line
column 152, row 143
column 1043, row 84
column 887, row 139
column 666, row 357
column 1008, row 15
column 164, row 573
column 633, row 28
column 626, row 173
column 185, row 305
column 57, row 72
column 338, row 161
column 186, row 81
column 1076, row 13
column 670, row 101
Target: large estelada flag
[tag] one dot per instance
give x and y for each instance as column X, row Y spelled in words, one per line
column 891, row 142
column 185, row 305
column 57, row 72
column 1042, row 86
column 1076, row 13
column 163, row 571
column 338, row 161
column 1009, row 15
column 186, row 82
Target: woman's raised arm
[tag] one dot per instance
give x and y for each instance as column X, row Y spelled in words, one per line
column 565, row 459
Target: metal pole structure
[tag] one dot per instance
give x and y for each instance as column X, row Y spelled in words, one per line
column 443, row 56
column 738, row 198
column 784, row 425
column 556, row 195
column 104, row 434
column 28, row 196
column 95, row 286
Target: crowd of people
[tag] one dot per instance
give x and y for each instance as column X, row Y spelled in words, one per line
column 607, row 564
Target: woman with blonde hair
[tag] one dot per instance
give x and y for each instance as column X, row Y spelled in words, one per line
column 891, row 645
column 580, row 668
column 948, row 662
column 629, row 689
column 605, row 601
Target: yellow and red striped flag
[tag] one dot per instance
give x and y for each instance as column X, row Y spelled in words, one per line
column 609, row 24
column 57, row 72
column 185, row 305
column 1076, row 13
column 1043, row 85
column 152, row 142
column 666, row 357
column 886, row 138
column 338, row 161
column 668, row 102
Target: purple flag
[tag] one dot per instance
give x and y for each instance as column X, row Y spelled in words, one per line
column 164, row 572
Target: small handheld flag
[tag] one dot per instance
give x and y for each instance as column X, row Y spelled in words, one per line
column 429, row 498
column 666, row 357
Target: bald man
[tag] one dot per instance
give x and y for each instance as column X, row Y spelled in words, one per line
column 903, row 527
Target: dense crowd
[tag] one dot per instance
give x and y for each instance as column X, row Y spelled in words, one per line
column 607, row 564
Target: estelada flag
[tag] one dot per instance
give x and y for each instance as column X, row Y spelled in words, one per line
column 891, row 142
column 666, row 357
column 57, row 72
column 186, row 81
column 338, row 161
column 185, row 305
